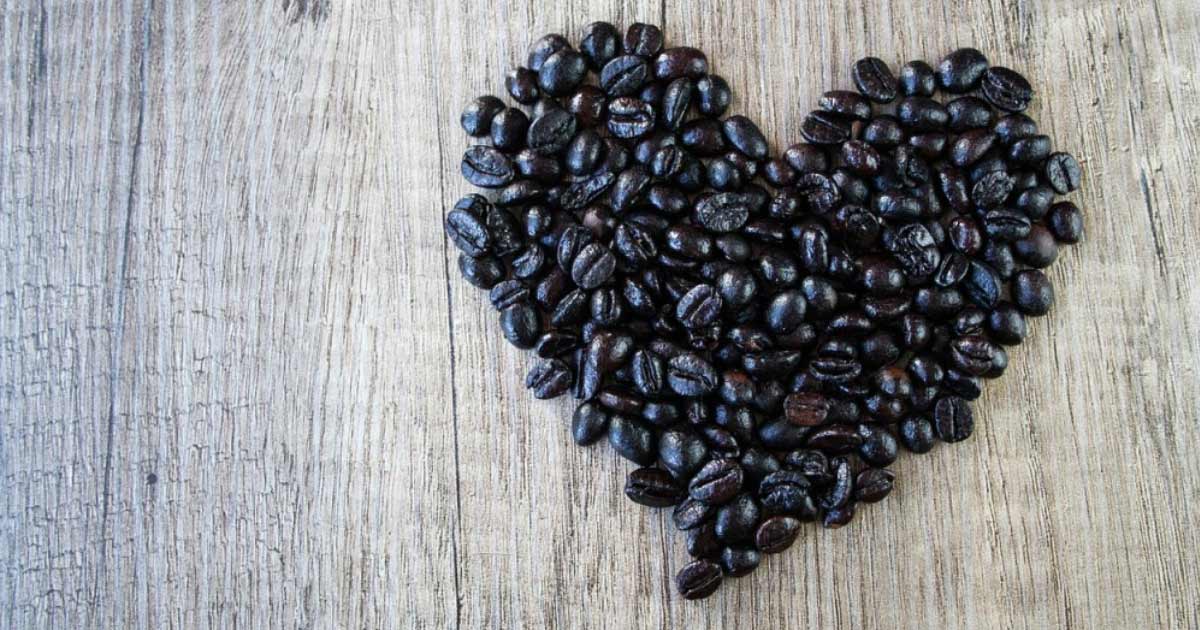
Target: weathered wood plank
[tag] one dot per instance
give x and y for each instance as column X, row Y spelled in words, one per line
column 242, row 385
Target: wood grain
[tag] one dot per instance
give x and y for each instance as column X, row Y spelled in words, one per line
column 242, row 386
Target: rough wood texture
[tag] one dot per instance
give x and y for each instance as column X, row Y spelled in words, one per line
column 241, row 384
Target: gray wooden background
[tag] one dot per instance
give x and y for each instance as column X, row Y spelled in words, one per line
column 242, row 386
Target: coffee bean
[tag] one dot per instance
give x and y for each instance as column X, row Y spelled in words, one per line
column 1062, row 172
column 624, row 75
column 723, row 212
column 631, row 440
column 952, row 419
column 1066, row 222
column 593, row 266
column 739, row 561
column 683, row 61
column 824, row 128
column 487, row 167
column 874, row 80
column 1032, row 292
column 629, row 117
column 698, row 579
column 713, row 95
column 873, row 484
column 562, row 72
column 483, row 272
column 550, row 133
column 736, row 520
column 549, row 378
column 1006, row 89
column 643, row 39
column 476, row 119
column 652, row 487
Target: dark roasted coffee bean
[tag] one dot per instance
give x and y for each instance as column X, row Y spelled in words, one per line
column 588, row 424
column 717, row 482
column 736, row 520
column 824, row 128
column 952, row 419
column 476, row 119
column 691, row 376
column 1006, row 89
column 968, row 112
column 921, row 113
column 600, row 42
column 1032, row 292
column 841, row 488
column 917, row 79
column 584, row 152
column 682, row 453
column 624, row 75
column 1034, row 202
column 739, row 561
column 508, row 293
column 550, row 133
column 469, row 232
column 874, row 80
column 745, row 136
column 786, row 311
column 883, row 132
column 643, row 39
column 700, row 307
column 992, row 189
column 838, row 517
column 971, row 146
column 916, row 434
column 675, row 102
column 806, row 409
column 521, row 84
column 682, row 61
column 652, row 487
column 1029, row 150
column 961, row 70
column 1062, row 172
column 1006, row 225
column 713, row 95
column 520, row 325
column 836, row 439
column 1066, row 222
column 629, row 186
column 698, row 579
column 629, row 117
column 878, row 447
column 873, row 484
column 487, row 167
column 562, row 72
column 483, row 272
column 549, row 378
column 702, row 541
column 543, row 48
column 846, row 103
column 588, row 104
column 1038, row 248
column 631, row 440
column 690, row 514
column 776, row 534
column 593, row 266
column 860, row 157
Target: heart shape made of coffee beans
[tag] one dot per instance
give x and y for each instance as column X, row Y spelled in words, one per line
column 759, row 333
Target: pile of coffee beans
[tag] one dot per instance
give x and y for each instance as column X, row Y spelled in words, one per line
column 759, row 333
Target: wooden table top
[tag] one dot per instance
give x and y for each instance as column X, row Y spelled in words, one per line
column 243, row 386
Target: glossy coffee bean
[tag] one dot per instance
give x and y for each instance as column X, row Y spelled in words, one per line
column 476, row 119
column 652, row 487
column 874, row 80
column 1032, row 292
column 698, row 580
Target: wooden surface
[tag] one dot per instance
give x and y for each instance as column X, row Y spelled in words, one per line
column 242, row 386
